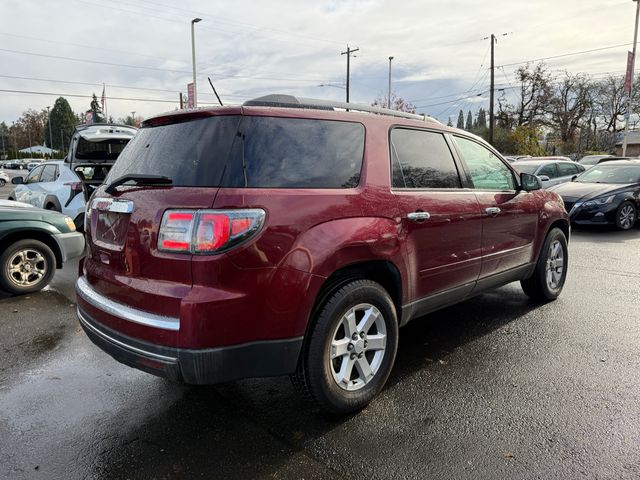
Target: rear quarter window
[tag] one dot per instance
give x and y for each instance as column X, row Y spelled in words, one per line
column 279, row 152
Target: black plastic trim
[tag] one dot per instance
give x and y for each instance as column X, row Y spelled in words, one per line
column 267, row 358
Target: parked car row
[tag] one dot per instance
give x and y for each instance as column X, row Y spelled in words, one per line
column 65, row 185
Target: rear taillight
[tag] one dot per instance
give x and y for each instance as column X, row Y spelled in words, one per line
column 76, row 187
column 207, row 231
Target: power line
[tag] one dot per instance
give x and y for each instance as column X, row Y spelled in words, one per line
column 567, row 54
column 143, row 67
column 53, row 94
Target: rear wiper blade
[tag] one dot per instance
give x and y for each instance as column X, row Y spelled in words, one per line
column 138, row 179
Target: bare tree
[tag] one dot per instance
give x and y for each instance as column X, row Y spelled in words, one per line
column 534, row 94
column 568, row 110
column 397, row 103
column 610, row 103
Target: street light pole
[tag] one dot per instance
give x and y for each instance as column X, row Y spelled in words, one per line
column 389, row 89
column 133, row 118
column 193, row 60
column 633, row 62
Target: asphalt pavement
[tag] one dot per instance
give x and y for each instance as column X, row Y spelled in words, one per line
column 494, row 388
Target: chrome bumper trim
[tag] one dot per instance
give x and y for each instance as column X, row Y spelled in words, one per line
column 93, row 298
column 120, row 344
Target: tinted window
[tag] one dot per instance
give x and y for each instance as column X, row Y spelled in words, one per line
column 49, row 173
column 102, row 150
column 422, row 160
column 550, row 170
column 567, row 169
column 485, row 169
column 191, row 153
column 234, row 151
column 34, row 176
column 296, row 153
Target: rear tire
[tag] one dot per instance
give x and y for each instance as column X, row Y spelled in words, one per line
column 2, row 182
column 26, row 266
column 548, row 278
column 350, row 348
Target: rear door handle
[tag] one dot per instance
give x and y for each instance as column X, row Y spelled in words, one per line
column 493, row 211
column 418, row 216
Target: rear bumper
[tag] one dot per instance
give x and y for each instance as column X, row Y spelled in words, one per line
column 196, row 366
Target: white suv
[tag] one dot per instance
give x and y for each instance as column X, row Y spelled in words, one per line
column 54, row 186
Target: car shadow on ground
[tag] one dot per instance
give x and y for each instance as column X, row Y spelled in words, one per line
column 210, row 425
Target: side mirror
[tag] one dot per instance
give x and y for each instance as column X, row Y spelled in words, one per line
column 544, row 178
column 17, row 180
column 573, row 179
column 529, row 182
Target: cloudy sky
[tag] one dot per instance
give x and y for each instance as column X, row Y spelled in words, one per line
column 141, row 49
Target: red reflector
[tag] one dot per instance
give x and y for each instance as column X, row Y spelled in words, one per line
column 212, row 231
column 173, row 245
column 239, row 225
column 175, row 216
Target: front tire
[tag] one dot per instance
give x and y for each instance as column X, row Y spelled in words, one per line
column 626, row 216
column 2, row 182
column 26, row 266
column 350, row 348
column 550, row 273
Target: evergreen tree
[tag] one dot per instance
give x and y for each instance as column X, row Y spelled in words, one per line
column 449, row 123
column 97, row 111
column 460, row 123
column 482, row 118
column 469, row 125
column 63, row 121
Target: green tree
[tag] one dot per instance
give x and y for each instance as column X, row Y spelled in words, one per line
column 460, row 123
column 469, row 125
column 97, row 111
column 449, row 123
column 5, row 140
column 63, row 121
column 526, row 140
column 482, row 118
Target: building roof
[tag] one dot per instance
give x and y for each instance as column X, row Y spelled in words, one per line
column 634, row 138
column 41, row 149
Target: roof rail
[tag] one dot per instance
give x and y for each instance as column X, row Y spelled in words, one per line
column 290, row 101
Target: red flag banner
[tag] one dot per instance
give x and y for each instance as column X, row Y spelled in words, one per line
column 627, row 78
column 190, row 95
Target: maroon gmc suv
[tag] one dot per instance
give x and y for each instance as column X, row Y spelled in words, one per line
column 295, row 236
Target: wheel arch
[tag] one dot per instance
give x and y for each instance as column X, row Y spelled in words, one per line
column 41, row 236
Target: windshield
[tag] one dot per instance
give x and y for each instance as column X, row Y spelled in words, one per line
column 520, row 168
column 611, row 174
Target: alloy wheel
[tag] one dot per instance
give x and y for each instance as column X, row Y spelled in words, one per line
column 627, row 217
column 555, row 265
column 358, row 347
column 27, row 267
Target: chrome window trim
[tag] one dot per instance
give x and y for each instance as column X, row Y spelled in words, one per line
column 93, row 298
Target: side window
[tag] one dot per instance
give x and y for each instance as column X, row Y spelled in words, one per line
column 422, row 159
column 567, row 169
column 34, row 176
column 549, row 170
column 486, row 170
column 48, row 174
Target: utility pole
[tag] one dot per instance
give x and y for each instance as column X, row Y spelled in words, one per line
column 348, row 54
column 389, row 89
column 193, row 60
column 133, row 118
column 491, row 94
column 633, row 62
column 50, row 136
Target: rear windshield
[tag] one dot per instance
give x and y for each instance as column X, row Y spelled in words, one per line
column 107, row 149
column 254, row 152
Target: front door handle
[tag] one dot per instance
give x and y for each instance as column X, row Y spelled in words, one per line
column 418, row 216
column 493, row 211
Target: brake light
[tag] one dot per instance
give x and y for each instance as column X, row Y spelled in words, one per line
column 75, row 186
column 207, row 231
